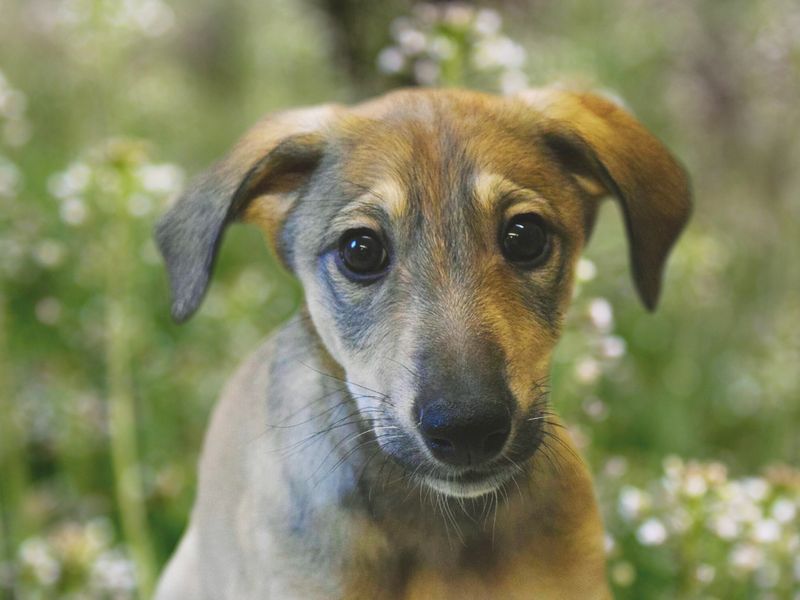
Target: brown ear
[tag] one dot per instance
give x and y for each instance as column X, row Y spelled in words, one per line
column 610, row 152
column 273, row 159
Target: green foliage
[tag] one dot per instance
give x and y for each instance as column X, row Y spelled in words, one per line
column 103, row 401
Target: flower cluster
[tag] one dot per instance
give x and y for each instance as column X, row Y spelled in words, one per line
column 116, row 180
column 454, row 44
column 119, row 169
column 707, row 533
column 151, row 18
column 14, row 131
column 74, row 560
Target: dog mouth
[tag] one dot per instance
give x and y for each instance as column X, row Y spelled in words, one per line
column 469, row 484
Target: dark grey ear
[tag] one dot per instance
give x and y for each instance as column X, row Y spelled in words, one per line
column 190, row 233
column 611, row 153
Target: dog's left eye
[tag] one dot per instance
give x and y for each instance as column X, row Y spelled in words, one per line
column 362, row 255
column 525, row 240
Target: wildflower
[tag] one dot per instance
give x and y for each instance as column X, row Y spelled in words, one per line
column 651, row 533
column 163, row 179
column 695, row 485
column 612, row 346
column 784, row 510
column 601, row 314
column 36, row 555
column 73, row 211
column 9, row 178
column 766, row 531
column 487, row 22
column 586, row 270
column 595, row 408
column 632, row 501
column 747, row 557
column 705, row 573
column 391, row 60
column 587, row 370
column 49, row 253
column 451, row 44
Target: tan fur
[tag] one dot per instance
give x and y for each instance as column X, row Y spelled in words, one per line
column 259, row 528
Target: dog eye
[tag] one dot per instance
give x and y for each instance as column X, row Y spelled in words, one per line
column 525, row 240
column 362, row 255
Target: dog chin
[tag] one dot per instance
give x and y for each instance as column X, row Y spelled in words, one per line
column 459, row 488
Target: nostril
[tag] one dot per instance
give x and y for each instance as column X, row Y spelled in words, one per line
column 440, row 443
column 494, row 442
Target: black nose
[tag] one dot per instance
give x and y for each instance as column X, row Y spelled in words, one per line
column 464, row 436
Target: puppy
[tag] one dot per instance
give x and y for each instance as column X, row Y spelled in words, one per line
column 394, row 439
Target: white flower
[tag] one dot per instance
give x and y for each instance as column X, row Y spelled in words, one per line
column 391, row 60
column 498, row 52
column 587, row 370
column 616, row 466
column 153, row 17
column 756, row 488
column 163, row 179
column 442, row 48
column 784, row 510
column 673, row 466
column 651, row 533
column 411, row 41
column 766, row 531
column 458, row 15
column 487, row 22
column 632, row 501
column 9, row 178
column 49, row 253
column 513, row 81
column 725, row 527
column 37, row 555
column 73, row 211
column 140, row 205
column 612, row 346
column 595, row 408
column 705, row 573
column 586, row 270
column 695, row 485
column 12, row 104
column 71, row 182
column 747, row 557
column 112, row 572
column 601, row 314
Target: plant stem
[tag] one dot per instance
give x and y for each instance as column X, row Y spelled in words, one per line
column 122, row 412
column 13, row 526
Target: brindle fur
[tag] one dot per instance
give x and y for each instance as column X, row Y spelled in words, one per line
column 311, row 480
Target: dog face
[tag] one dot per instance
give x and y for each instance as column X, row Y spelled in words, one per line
column 435, row 234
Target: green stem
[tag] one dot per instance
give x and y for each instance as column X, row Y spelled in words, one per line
column 13, row 466
column 122, row 412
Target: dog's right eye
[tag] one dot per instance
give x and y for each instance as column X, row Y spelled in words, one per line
column 525, row 241
column 362, row 255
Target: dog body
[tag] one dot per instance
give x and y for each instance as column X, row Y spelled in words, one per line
column 395, row 440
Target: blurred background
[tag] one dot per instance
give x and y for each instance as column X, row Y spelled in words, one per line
column 690, row 417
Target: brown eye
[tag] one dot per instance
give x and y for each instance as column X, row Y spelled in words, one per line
column 362, row 255
column 525, row 241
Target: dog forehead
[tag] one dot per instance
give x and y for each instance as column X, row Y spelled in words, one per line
column 436, row 150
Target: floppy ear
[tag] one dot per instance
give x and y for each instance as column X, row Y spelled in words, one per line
column 273, row 160
column 610, row 152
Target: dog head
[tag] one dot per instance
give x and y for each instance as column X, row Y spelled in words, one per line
column 435, row 234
